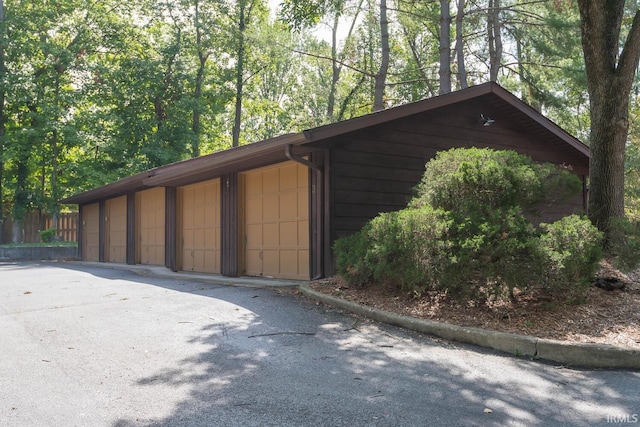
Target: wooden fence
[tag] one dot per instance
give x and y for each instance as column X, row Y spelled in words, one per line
column 35, row 222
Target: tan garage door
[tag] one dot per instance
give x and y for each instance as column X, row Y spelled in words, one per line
column 150, row 209
column 199, row 209
column 276, row 221
column 91, row 232
column 116, row 229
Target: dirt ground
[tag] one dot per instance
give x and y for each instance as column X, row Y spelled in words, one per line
column 606, row 317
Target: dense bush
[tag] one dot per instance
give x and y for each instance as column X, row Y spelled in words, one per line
column 46, row 236
column 570, row 250
column 624, row 244
column 466, row 231
column 480, row 179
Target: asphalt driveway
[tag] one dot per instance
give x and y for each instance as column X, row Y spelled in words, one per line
column 90, row 346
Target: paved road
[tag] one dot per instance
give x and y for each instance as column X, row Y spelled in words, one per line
column 86, row 346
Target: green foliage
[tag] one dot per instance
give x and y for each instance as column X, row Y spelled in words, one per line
column 46, row 236
column 466, row 232
column 468, row 179
column 624, row 244
column 570, row 250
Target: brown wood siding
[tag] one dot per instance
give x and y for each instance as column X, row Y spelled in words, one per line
column 376, row 169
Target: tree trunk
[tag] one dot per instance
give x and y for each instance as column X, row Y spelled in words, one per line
column 335, row 69
column 239, row 76
column 610, row 74
column 495, row 39
column 3, row 119
column 54, row 208
column 381, row 76
column 445, row 47
column 197, row 92
column 462, row 69
column 21, row 195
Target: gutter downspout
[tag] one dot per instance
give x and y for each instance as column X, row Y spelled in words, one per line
column 288, row 151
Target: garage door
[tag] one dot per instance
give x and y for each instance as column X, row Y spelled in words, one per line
column 91, row 232
column 150, row 214
column 199, row 209
column 116, row 229
column 276, row 221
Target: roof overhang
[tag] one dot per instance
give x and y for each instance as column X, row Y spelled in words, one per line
column 418, row 107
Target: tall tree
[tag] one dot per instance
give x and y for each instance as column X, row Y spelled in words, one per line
column 445, row 46
column 611, row 64
column 3, row 120
column 494, row 36
column 381, row 75
column 244, row 15
column 461, row 73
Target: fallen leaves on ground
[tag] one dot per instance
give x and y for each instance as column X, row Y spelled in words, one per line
column 606, row 317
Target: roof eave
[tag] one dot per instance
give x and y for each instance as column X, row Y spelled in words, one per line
column 210, row 162
column 540, row 119
column 401, row 111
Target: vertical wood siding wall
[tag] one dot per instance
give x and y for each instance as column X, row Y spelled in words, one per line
column 376, row 170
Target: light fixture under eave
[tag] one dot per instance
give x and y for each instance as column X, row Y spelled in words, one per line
column 486, row 121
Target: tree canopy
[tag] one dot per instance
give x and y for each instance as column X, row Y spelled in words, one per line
column 94, row 91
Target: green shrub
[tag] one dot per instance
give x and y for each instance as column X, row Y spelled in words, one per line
column 465, row 232
column 570, row 250
column 624, row 244
column 481, row 179
column 398, row 249
column 351, row 253
column 46, row 236
column 489, row 254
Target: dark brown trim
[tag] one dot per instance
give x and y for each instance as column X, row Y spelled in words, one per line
column 327, row 214
column 80, row 232
column 229, row 248
column 298, row 159
column 131, row 228
column 170, row 200
column 247, row 155
column 101, row 231
column 316, row 214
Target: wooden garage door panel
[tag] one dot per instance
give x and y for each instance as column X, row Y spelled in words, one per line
column 91, row 232
column 152, row 226
column 303, row 235
column 200, row 216
column 254, row 210
column 270, row 207
column 270, row 180
column 254, row 236
column 116, row 224
column 277, row 221
column 288, row 234
column 253, row 183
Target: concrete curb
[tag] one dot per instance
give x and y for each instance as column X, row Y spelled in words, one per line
column 575, row 354
column 216, row 279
